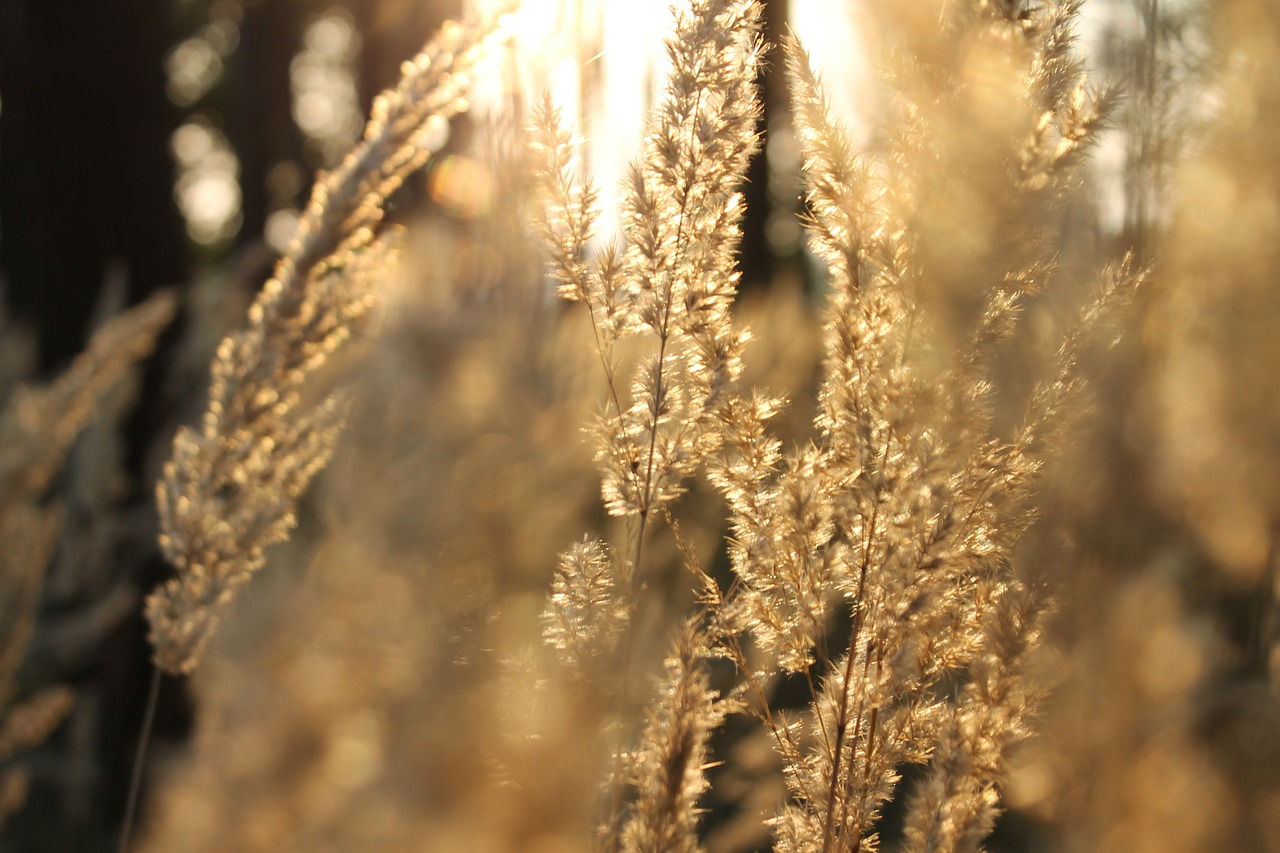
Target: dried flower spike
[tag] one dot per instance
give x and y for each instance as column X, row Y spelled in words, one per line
column 230, row 489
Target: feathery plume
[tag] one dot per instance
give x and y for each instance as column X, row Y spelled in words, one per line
column 675, row 279
column 39, row 423
column 230, row 489
column 36, row 430
column 670, row 768
column 587, row 611
column 30, row 722
column 955, row 806
column 37, row 427
column 671, row 284
column 906, row 509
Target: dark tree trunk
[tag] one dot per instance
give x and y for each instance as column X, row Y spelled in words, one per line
column 85, row 173
column 760, row 263
column 255, row 101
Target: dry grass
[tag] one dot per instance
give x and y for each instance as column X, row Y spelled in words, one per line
column 962, row 557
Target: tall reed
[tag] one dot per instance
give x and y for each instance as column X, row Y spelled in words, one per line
column 870, row 601
column 230, row 489
column 38, row 425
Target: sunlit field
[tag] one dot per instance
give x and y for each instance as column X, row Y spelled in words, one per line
column 738, row 425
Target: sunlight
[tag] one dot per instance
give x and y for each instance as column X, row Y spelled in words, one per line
column 830, row 34
column 599, row 61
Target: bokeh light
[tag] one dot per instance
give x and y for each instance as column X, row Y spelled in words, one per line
column 326, row 104
column 207, row 188
column 196, row 64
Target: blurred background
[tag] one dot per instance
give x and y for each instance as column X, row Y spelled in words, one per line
column 150, row 144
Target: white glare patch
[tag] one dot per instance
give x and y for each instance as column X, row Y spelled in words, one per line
column 280, row 228
column 601, row 62
column 195, row 65
column 829, row 33
column 191, row 143
column 330, row 36
column 326, row 105
column 434, row 133
column 1110, row 161
column 193, row 68
column 207, row 188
